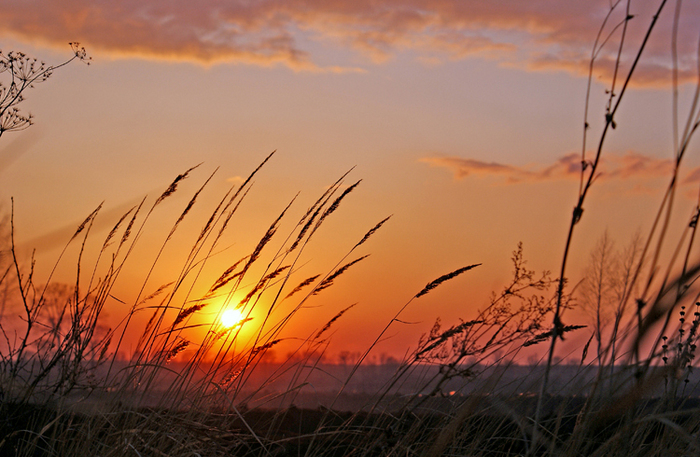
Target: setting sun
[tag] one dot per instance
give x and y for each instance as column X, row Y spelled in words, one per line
column 231, row 317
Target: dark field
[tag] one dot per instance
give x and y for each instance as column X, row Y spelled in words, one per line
column 484, row 415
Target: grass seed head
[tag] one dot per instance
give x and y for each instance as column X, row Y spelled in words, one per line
column 301, row 285
column 432, row 285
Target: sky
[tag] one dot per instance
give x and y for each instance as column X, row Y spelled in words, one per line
column 463, row 119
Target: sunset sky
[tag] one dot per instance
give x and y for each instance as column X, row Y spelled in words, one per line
column 464, row 120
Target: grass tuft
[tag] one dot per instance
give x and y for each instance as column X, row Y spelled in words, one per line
column 433, row 284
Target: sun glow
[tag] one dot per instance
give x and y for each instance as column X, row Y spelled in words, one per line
column 231, row 318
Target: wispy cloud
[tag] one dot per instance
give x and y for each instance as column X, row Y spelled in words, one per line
column 533, row 35
column 627, row 166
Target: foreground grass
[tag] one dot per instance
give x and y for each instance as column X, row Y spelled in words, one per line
column 472, row 424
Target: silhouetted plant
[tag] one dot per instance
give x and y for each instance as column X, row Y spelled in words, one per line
column 21, row 73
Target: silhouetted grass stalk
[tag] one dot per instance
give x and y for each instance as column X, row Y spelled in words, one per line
column 588, row 182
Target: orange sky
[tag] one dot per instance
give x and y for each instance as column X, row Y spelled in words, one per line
column 462, row 118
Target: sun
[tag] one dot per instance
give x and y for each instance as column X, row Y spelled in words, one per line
column 231, row 317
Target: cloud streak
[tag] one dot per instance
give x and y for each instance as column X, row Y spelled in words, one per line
column 630, row 165
column 533, row 35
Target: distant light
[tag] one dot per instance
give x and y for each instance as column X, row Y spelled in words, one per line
column 231, row 318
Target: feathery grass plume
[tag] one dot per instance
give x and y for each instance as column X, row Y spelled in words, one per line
column 265, row 239
column 230, row 213
column 262, row 283
column 372, row 231
column 224, row 210
column 226, row 281
column 315, row 210
column 209, row 223
column 105, row 346
column 334, row 206
column 87, row 220
column 301, row 285
column 178, row 348
column 336, row 202
column 559, row 332
column 173, row 186
column 276, row 273
column 437, row 338
column 584, row 352
column 187, row 312
column 222, row 333
column 326, row 195
column 244, row 188
column 250, row 176
column 156, row 293
column 115, row 228
column 230, row 377
column 263, row 347
column 151, row 321
column 444, row 278
column 329, row 280
column 268, row 236
column 215, row 215
column 191, row 203
column 130, row 226
column 225, row 277
column 330, row 322
column 305, row 229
